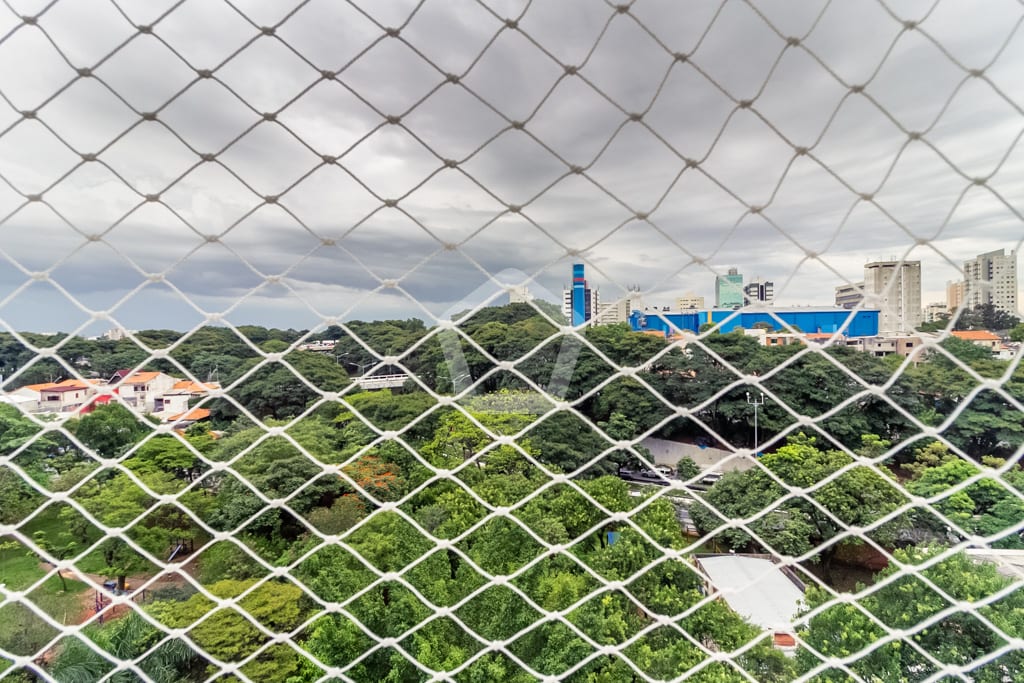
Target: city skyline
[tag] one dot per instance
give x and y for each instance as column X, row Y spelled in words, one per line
column 510, row 282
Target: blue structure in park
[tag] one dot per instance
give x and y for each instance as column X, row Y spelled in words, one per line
column 859, row 323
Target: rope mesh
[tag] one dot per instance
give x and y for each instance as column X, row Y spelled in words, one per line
column 190, row 149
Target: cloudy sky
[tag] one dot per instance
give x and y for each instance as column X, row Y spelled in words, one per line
column 286, row 163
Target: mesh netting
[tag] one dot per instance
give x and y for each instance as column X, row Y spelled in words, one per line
column 417, row 482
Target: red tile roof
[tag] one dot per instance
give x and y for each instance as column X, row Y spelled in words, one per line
column 975, row 335
column 192, row 415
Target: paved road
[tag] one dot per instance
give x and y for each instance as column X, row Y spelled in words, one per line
column 713, row 459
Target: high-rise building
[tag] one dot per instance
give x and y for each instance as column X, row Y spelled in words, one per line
column 580, row 304
column 955, row 294
column 849, row 296
column 729, row 290
column 519, row 295
column 936, row 312
column 689, row 301
column 618, row 311
column 759, row 291
column 991, row 278
column 894, row 287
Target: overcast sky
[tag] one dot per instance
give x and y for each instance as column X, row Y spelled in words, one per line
column 360, row 204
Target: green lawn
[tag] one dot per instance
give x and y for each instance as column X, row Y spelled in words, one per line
column 49, row 521
column 21, row 630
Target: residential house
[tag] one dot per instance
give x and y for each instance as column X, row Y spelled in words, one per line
column 141, row 390
column 176, row 400
column 186, row 419
column 66, row 396
column 898, row 344
column 769, row 338
column 28, row 396
column 982, row 338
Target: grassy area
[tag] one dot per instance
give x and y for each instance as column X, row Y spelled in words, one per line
column 21, row 630
column 50, row 522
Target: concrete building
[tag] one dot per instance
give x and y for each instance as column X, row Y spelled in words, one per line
column 519, row 295
column 618, row 311
column 580, row 304
column 935, row 312
column 784, row 338
column 759, row 291
column 689, row 301
column 894, row 287
column 991, row 278
column 899, row 345
column 850, row 295
column 729, row 290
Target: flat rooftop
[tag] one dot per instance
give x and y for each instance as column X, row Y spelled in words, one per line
column 755, row 588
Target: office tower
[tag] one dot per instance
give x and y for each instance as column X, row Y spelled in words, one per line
column 848, row 296
column 689, row 301
column 729, row 290
column 759, row 291
column 991, row 278
column 579, row 303
column 894, row 287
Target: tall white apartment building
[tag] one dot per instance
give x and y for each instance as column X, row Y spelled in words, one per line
column 894, row 287
column 991, row 278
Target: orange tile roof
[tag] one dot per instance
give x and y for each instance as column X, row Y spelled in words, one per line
column 193, row 415
column 39, row 387
column 784, row 640
column 75, row 383
column 61, row 388
column 63, row 385
column 141, row 377
column 975, row 335
column 194, row 387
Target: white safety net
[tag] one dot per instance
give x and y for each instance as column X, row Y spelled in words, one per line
column 331, row 451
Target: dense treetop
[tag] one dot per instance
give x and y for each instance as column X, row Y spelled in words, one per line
column 336, row 516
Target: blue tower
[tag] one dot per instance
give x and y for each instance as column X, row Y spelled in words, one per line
column 579, row 302
column 580, row 296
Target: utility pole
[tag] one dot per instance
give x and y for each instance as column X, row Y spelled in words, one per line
column 756, row 402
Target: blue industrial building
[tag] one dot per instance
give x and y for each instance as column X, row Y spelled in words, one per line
column 858, row 323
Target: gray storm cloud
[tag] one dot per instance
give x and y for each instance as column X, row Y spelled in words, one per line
column 222, row 147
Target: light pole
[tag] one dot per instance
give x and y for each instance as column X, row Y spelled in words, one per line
column 756, row 402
